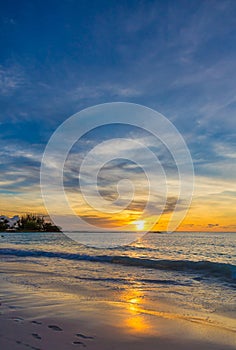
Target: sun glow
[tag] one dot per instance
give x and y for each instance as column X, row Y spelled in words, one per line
column 139, row 224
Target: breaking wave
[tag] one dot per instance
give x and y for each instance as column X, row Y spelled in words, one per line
column 226, row 272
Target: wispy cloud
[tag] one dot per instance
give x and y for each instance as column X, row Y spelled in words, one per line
column 99, row 91
column 177, row 59
column 11, row 79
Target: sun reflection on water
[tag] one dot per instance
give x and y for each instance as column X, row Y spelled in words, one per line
column 136, row 322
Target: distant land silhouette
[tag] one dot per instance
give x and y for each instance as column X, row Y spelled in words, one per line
column 26, row 223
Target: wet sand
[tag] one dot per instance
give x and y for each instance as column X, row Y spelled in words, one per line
column 45, row 320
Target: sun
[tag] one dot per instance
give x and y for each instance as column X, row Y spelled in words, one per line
column 139, row 224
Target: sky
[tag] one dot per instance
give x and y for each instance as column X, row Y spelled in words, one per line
column 176, row 57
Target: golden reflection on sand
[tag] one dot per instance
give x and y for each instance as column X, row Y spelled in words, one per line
column 138, row 318
column 136, row 322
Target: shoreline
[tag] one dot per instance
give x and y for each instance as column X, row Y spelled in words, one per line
column 28, row 231
column 40, row 319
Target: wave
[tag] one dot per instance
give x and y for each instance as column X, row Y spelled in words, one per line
column 125, row 280
column 226, row 272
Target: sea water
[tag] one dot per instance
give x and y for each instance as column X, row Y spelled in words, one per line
column 193, row 271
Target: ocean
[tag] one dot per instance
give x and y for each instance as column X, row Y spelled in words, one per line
column 194, row 273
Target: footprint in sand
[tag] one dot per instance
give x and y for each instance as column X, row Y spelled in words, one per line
column 17, row 319
column 55, row 328
column 79, row 343
column 84, row 336
column 36, row 336
column 36, row 322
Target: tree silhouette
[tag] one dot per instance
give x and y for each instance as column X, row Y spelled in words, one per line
column 32, row 222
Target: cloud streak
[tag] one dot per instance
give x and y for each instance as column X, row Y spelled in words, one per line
column 178, row 59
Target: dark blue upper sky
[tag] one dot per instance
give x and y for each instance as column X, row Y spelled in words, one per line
column 177, row 57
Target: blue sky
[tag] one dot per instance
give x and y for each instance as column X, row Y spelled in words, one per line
column 177, row 57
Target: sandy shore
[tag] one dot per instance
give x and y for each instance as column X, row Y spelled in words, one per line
column 44, row 320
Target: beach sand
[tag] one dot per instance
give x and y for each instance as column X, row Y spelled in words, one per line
column 39, row 319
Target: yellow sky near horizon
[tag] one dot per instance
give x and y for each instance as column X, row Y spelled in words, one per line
column 212, row 209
